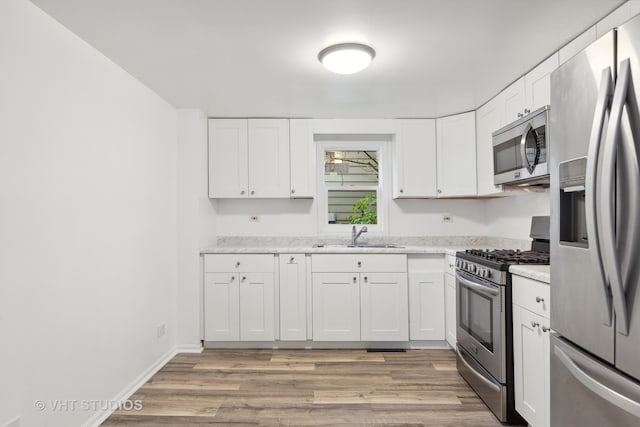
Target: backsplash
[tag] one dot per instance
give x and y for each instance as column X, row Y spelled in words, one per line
column 446, row 241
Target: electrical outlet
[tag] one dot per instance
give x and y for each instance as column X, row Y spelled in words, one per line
column 253, row 218
column 161, row 329
column 447, row 218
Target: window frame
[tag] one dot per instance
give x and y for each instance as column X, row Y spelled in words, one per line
column 378, row 143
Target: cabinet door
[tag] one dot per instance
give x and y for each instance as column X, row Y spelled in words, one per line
column 513, row 101
column 257, row 307
column 456, row 143
column 336, row 307
column 228, row 173
column 531, row 366
column 293, row 297
column 450, row 309
column 426, row 306
column 538, row 84
column 303, row 158
column 384, row 307
column 269, row 158
column 414, row 159
column 488, row 120
column 221, row 307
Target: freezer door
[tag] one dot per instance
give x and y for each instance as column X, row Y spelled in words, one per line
column 628, row 196
column 587, row 393
column 580, row 299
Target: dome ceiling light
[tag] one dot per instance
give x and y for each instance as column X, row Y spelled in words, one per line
column 346, row 58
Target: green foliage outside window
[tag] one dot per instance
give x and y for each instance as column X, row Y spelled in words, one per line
column 365, row 210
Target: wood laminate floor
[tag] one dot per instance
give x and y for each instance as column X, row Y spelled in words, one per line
column 308, row 388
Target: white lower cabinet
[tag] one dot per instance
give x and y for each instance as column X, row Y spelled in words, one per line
column 383, row 307
column 336, row 307
column 360, row 297
column 293, row 297
column 222, row 305
column 426, row 306
column 257, row 307
column 531, row 357
column 450, row 302
column 239, row 304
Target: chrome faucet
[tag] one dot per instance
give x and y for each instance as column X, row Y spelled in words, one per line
column 354, row 235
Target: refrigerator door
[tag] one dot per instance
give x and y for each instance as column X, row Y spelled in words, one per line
column 589, row 393
column 628, row 196
column 580, row 300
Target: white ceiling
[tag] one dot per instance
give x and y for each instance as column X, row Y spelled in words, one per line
column 259, row 57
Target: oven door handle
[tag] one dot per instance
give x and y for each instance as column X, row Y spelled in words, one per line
column 489, row 291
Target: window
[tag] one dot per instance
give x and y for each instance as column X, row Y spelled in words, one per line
column 350, row 188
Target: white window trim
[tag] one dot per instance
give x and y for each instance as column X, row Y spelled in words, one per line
column 383, row 191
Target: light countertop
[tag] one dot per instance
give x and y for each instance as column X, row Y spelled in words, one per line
column 330, row 249
column 541, row 273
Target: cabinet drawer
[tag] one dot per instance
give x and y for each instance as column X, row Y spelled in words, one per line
column 450, row 265
column 532, row 295
column 246, row 263
column 349, row 263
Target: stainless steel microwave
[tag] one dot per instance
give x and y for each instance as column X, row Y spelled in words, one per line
column 520, row 151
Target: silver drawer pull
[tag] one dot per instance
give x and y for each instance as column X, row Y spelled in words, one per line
column 534, row 324
column 237, row 264
column 359, row 263
column 366, row 279
column 539, row 300
column 233, row 278
column 545, row 329
column 355, row 279
column 244, row 278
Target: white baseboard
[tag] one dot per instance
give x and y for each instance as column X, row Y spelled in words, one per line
column 417, row 345
column 99, row 417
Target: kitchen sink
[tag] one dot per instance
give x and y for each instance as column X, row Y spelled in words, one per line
column 363, row 245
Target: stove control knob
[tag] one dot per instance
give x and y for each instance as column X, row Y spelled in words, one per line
column 472, row 268
column 487, row 274
column 458, row 262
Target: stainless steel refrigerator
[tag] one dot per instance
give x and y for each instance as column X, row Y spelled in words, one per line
column 595, row 234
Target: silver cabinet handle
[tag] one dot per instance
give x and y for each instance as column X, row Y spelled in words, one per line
column 253, row 192
column 242, row 192
column 232, row 278
column 244, row 278
column 292, row 259
column 595, row 240
column 545, row 329
column 293, row 191
column 366, row 279
column 359, row 264
column 355, row 280
column 534, row 324
column 539, row 300
column 527, row 111
column 401, row 190
column 237, row 264
column 439, row 191
column 520, row 115
column 608, row 182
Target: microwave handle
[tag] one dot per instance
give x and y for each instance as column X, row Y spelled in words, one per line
column 490, row 291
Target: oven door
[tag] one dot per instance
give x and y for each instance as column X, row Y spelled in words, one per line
column 481, row 322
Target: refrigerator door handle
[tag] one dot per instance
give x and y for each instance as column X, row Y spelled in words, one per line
column 578, row 365
column 591, row 178
column 609, row 249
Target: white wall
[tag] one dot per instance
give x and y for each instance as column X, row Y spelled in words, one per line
column 511, row 216
column 196, row 221
column 87, row 221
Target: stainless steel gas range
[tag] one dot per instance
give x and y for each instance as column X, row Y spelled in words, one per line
column 484, row 320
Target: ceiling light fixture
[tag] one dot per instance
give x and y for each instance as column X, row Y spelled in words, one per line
column 346, row 58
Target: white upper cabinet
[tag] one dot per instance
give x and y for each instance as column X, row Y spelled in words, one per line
column 303, row 158
column 228, row 167
column 489, row 118
column 456, row 154
column 249, row 158
column 513, row 101
column 268, row 158
column 414, row 155
column 538, row 84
